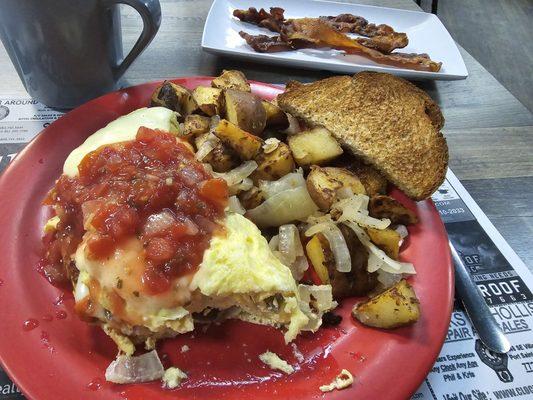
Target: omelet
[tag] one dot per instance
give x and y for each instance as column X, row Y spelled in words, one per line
column 239, row 275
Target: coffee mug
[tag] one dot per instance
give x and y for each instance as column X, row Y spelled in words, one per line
column 69, row 51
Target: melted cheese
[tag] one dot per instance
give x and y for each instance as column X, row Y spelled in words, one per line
column 120, row 130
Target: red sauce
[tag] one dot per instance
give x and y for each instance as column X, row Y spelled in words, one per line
column 152, row 188
column 95, row 384
column 30, row 324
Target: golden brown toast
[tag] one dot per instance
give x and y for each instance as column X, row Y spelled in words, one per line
column 387, row 121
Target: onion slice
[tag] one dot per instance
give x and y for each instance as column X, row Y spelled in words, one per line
column 234, row 205
column 128, row 369
column 337, row 243
column 291, row 250
column 237, row 175
column 355, row 209
column 377, row 259
column 289, row 181
column 282, row 208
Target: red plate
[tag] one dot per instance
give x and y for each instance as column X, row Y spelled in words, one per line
column 66, row 357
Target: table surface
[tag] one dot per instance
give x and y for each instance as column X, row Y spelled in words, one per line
column 489, row 132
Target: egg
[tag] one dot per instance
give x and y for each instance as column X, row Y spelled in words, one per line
column 239, row 275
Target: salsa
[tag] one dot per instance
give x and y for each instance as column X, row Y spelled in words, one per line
column 152, row 188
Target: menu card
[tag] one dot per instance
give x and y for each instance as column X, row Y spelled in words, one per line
column 465, row 369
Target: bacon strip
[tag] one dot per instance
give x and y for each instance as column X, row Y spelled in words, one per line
column 380, row 37
column 315, row 33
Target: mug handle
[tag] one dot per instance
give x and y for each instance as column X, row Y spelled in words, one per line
column 150, row 11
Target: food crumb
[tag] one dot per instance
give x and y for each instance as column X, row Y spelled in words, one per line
column 185, row 348
column 297, row 353
column 341, row 381
column 172, row 377
column 275, row 362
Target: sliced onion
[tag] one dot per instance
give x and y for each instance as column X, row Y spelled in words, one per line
column 282, row 208
column 274, row 243
column 128, row 369
column 344, row 193
column 237, row 175
column 337, row 243
column 387, row 279
column 289, row 181
column 245, row 185
column 81, row 291
column 159, row 222
column 294, row 126
column 291, row 250
column 354, row 209
column 270, row 145
column 402, row 231
column 377, row 258
column 234, row 205
column 207, row 146
column 289, row 242
column 320, row 295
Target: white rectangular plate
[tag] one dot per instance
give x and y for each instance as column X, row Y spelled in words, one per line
column 425, row 31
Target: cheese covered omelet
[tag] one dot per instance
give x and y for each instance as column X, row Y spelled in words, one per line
column 238, row 276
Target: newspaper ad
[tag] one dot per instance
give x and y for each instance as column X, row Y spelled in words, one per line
column 465, row 369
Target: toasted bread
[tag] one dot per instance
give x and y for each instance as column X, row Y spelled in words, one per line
column 385, row 120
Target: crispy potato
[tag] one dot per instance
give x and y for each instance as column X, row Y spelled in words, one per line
column 372, row 180
column 251, row 198
column 382, row 206
column 387, row 240
column 320, row 255
column 323, row 183
column 395, row 307
column 195, row 125
column 245, row 110
column 272, row 166
column 231, row 79
column 221, row 158
column 209, row 100
column 315, row 146
column 175, row 97
column 275, row 116
column 358, row 281
column 246, row 145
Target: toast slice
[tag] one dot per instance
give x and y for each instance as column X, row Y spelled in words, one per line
column 387, row 121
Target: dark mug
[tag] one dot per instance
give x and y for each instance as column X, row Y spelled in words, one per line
column 69, row 51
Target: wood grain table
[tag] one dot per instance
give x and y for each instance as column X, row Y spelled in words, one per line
column 489, row 132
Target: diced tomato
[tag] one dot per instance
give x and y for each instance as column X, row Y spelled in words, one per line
column 121, row 185
column 215, row 190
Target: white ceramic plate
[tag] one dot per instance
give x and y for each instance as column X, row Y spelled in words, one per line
column 425, row 31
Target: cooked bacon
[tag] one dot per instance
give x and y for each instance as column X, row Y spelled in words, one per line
column 320, row 34
column 265, row 44
column 380, row 37
column 328, row 32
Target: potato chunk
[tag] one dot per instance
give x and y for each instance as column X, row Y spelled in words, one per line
column 382, row 206
column 174, row 97
column 387, row 240
column 323, row 183
column 221, row 158
column 195, row 125
column 246, row 145
column 275, row 116
column 372, row 180
column 395, row 307
column 231, row 79
column 209, row 100
column 245, row 110
column 272, row 166
column 315, row 146
column 319, row 255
